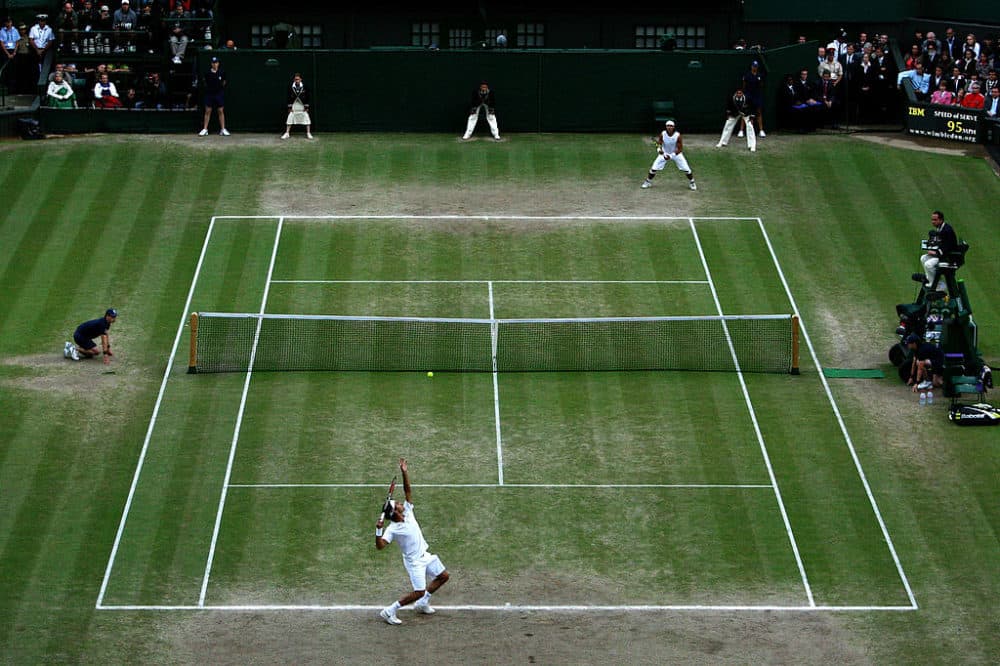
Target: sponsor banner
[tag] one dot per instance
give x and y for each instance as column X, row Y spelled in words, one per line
column 942, row 122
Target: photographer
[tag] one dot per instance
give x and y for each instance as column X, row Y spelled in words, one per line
column 154, row 93
column 942, row 241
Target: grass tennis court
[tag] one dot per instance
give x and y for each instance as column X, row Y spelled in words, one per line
column 625, row 516
column 307, row 451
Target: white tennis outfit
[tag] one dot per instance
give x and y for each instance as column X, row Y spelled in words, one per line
column 669, row 146
column 419, row 563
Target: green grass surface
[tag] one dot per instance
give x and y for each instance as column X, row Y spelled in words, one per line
column 115, row 221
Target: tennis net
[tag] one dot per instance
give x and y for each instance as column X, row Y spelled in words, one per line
column 237, row 342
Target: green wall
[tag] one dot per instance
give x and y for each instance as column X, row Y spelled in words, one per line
column 419, row 90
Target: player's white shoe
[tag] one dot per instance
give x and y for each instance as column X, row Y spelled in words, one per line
column 389, row 616
column 762, row 134
column 223, row 132
column 74, row 354
column 285, row 135
column 424, row 607
column 204, row 132
column 753, row 150
column 309, row 135
column 720, row 145
column 646, row 185
column 740, row 134
column 66, row 348
column 692, row 185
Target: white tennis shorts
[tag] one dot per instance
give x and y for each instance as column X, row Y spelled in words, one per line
column 427, row 566
column 661, row 161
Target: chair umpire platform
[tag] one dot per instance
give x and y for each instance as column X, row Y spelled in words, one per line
column 942, row 314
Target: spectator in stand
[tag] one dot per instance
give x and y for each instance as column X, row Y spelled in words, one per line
column 937, row 78
column 827, row 95
column 104, row 25
column 27, row 74
column 41, row 38
column 9, row 37
column 833, row 67
column 186, row 4
column 971, row 43
column 60, row 93
column 865, row 81
column 178, row 44
column 802, row 40
column 86, row 15
column 821, row 55
column 753, row 87
column 931, row 58
column 850, row 58
column 952, row 45
column 67, row 24
column 983, row 66
column 178, row 13
column 58, row 68
column 230, row 45
column 991, row 81
column 942, row 95
column 957, row 80
column 973, row 99
column 931, row 42
column 959, row 97
column 125, row 22
column 918, row 78
column 883, row 41
column 106, row 94
column 992, row 105
column 150, row 29
column 968, row 63
column 154, row 93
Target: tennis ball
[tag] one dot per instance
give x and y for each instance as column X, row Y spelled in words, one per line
column 430, row 374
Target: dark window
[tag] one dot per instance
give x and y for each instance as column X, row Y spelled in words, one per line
column 425, row 34
column 530, row 34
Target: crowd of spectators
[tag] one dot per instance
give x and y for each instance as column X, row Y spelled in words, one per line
column 856, row 80
column 952, row 71
column 852, row 80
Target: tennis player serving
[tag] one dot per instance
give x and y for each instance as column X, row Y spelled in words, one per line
column 404, row 530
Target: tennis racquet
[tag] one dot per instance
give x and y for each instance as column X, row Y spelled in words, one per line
column 388, row 498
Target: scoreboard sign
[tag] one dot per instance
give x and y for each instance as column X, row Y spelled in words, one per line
column 942, row 122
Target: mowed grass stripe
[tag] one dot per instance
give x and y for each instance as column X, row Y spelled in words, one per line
column 43, row 246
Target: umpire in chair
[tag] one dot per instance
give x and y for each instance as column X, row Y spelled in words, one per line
column 941, row 243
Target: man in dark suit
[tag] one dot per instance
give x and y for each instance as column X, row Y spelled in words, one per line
column 827, row 94
column 931, row 57
column 951, row 45
column 936, row 78
column 947, row 241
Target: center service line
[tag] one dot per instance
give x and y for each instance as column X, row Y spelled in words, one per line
column 496, row 388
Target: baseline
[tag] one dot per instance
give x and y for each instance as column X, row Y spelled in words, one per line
column 527, row 608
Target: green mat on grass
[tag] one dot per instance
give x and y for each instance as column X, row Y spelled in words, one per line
column 854, row 373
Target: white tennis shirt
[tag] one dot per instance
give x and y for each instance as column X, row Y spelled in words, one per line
column 669, row 142
column 408, row 535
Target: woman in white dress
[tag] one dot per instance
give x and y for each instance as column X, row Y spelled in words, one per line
column 298, row 107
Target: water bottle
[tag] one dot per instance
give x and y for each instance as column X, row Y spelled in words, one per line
column 930, row 397
column 923, row 398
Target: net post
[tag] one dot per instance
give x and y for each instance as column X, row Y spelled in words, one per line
column 193, row 358
column 795, row 345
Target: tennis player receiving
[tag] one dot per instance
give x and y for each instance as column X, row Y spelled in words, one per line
column 404, row 530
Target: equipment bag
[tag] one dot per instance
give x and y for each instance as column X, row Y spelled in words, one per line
column 980, row 414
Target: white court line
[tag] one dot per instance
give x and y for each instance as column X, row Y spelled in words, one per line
column 610, row 218
column 485, row 281
column 721, row 608
column 753, row 419
column 496, row 388
column 239, row 421
column 561, row 486
column 152, row 419
column 840, row 420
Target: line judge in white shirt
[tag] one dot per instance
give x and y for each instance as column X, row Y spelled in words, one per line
column 419, row 563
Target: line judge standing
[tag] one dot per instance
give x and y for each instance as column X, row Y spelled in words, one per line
column 739, row 107
column 482, row 99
